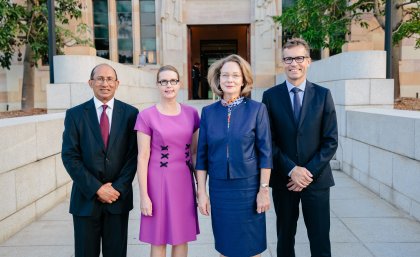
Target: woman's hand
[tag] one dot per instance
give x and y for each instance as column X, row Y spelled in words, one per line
column 263, row 200
column 146, row 206
column 203, row 203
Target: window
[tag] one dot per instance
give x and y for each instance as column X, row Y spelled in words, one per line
column 100, row 25
column 124, row 31
column 148, row 30
column 288, row 3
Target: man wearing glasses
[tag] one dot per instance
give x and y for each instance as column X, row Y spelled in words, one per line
column 304, row 133
column 99, row 152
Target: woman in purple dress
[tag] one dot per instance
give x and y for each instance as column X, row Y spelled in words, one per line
column 167, row 141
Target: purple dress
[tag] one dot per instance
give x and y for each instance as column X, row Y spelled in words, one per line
column 169, row 181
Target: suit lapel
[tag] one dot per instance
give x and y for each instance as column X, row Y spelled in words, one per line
column 117, row 123
column 92, row 120
column 307, row 99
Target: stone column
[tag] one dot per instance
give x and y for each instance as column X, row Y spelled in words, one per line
column 264, row 45
column 87, row 13
column 136, row 31
column 87, row 18
column 173, row 33
column 278, row 42
column 113, row 36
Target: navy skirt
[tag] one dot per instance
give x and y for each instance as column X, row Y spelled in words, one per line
column 239, row 231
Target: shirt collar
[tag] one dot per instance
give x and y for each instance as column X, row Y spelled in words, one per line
column 302, row 86
column 98, row 104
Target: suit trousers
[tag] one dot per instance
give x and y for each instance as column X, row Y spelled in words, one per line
column 103, row 226
column 316, row 214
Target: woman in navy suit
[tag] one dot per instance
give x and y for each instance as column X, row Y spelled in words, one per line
column 234, row 149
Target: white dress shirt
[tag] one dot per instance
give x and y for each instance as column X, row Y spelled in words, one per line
column 109, row 109
column 301, row 93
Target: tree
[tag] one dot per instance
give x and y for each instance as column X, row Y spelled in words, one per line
column 28, row 26
column 324, row 23
column 405, row 24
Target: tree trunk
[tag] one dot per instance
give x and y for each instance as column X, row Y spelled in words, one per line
column 397, row 17
column 396, row 56
column 28, row 83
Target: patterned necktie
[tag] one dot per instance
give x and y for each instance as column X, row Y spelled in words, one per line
column 104, row 124
column 296, row 104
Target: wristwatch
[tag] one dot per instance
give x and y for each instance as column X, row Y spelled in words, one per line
column 264, row 185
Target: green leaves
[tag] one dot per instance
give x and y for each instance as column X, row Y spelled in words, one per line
column 11, row 30
column 411, row 26
column 28, row 25
column 324, row 23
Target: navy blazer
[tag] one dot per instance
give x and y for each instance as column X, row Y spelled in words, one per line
column 310, row 144
column 248, row 139
column 90, row 165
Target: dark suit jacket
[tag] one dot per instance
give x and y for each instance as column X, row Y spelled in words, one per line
column 311, row 144
column 248, row 139
column 90, row 165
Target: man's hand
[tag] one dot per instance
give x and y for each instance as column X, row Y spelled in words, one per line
column 107, row 194
column 291, row 186
column 301, row 176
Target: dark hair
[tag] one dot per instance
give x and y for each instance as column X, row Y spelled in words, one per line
column 92, row 73
column 167, row 68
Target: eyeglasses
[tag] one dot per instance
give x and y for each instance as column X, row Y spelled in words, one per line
column 102, row 80
column 226, row 76
column 164, row 83
column 298, row 59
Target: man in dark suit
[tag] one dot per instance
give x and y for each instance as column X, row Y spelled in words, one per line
column 100, row 153
column 304, row 134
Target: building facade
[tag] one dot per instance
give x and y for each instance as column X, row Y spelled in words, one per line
column 150, row 33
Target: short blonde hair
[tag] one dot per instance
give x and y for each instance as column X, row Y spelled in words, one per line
column 213, row 75
column 293, row 42
column 166, row 68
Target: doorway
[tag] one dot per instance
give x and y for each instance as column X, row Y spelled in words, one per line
column 209, row 43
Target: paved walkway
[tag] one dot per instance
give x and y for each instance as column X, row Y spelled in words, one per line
column 362, row 225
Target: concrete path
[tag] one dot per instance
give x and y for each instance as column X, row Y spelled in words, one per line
column 362, row 225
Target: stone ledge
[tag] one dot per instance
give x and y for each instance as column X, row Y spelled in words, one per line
column 17, row 221
column 392, row 130
column 28, row 139
column 136, row 85
column 29, row 119
column 23, row 217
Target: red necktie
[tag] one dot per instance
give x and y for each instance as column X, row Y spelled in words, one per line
column 104, row 124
